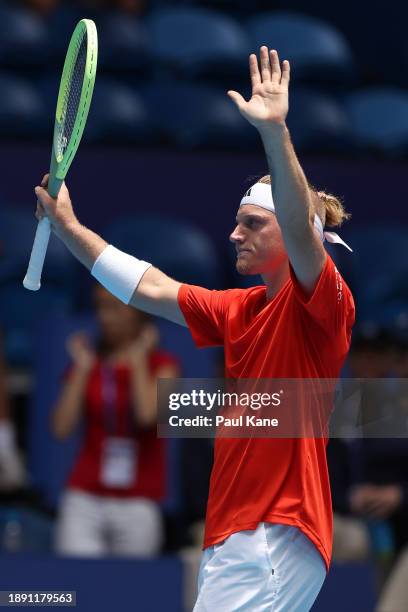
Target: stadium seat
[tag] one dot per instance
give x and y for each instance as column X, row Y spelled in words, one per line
column 123, row 43
column 24, row 38
column 198, row 42
column 61, row 23
column 22, row 111
column 385, row 322
column 317, row 51
column 379, row 119
column 197, row 116
column 118, row 114
column 182, row 251
column 317, row 122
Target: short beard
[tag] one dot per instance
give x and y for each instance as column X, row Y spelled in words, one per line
column 243, row 268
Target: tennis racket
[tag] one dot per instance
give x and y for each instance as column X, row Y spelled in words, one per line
column 74, row 100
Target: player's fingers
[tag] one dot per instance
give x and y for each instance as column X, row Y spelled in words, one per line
column 285, row 72
column 237, row 98
column 42, row 194
column 275, row 66
column 45, row 200
column 44, row 181
column 64, row 188
column 39, row 213
column 265, row 64
column 254, row 70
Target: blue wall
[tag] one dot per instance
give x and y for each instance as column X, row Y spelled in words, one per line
column 203, row 188
column 103, row 586
column 157, row 585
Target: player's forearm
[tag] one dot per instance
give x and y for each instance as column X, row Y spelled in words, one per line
column 121, row 274
column 84, row 244
column 290, row 189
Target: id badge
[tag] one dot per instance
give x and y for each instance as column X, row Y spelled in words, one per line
column 119, row 463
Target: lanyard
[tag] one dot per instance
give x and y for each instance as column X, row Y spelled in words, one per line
column 109, row 398
column 110, row 401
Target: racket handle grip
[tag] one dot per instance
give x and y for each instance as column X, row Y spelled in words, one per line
column 54, row 184
column 32, row 279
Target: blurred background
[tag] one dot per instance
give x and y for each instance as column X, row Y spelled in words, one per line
column 163, row 164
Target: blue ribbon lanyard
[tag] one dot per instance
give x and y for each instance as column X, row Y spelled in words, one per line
column 110, row 404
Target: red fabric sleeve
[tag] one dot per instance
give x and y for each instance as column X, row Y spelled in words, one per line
column 331, row 304
column 205, row 312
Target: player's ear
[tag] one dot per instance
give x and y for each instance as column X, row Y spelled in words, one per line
column 318, row 206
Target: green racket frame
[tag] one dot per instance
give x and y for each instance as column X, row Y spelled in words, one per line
column 61, row 158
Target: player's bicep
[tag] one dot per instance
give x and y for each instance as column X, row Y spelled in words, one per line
column 157, row 294
column 307, row 256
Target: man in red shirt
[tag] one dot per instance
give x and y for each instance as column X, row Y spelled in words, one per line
column 269, row 518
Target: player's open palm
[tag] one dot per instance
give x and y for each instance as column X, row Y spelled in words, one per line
column 269, row 102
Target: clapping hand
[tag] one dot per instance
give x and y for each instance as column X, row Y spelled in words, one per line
column 80, row 351
column 143, row 345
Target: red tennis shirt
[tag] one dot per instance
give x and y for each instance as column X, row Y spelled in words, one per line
column 108, row 413
column 276, row 480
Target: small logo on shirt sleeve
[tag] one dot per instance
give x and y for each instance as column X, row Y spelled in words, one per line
column 339, row 285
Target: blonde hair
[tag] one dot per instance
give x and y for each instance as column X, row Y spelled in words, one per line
column 329, row 207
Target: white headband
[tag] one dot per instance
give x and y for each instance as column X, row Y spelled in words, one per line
column 260, row 194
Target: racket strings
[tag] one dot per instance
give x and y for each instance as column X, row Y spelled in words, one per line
column 72, row 94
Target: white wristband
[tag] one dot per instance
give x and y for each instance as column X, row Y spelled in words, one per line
column 119, row 272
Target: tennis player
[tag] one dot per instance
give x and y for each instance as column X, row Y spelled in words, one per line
column 268, row 537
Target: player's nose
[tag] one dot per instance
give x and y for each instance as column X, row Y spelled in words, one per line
column 236, row 235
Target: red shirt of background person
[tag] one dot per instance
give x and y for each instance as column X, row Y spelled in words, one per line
column 114, row 388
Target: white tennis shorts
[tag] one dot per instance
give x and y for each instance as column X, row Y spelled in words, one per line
column 274, row 568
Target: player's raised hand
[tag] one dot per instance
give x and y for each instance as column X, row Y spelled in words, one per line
column 269, row 103
column 58, row 210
